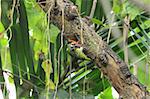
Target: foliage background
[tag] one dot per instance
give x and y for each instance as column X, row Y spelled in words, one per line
column 30, row 50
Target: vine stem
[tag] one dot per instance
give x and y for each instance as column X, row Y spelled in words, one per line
column 59, row 52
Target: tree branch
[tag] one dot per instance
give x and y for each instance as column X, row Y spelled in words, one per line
column 95, row 48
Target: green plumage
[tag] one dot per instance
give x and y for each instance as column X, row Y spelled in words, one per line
column 77, row 52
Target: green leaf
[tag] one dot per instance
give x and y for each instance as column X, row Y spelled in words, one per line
column 54, row 31
column 86, row 7
column 3, row 42
column 117, row 6
column 25, row 36
column 13, row 54
column 1, row 28
column 78, row 3
column 20, row 51
column 11, row 80
column 96, row 21
column 6, row 4
column 132, row 10
column 107, row 94
column 47, row 66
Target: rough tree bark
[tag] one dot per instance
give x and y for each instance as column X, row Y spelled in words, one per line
column 95, row 48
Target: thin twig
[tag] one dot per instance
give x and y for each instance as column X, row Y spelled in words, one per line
column 59, row 52
column 11, row 20
column 125, row 37
column 110, row 29
column 93, row 8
